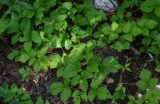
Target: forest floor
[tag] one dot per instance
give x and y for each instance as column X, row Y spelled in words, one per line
column 39, row 82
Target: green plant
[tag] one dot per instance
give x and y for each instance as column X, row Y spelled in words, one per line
column 24, row 73
column 13, row 95
column 146, row 81
column 41, row 27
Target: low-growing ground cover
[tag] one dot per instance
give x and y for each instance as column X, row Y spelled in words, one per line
column 57, row 51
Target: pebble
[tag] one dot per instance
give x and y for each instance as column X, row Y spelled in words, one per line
column 106, row 5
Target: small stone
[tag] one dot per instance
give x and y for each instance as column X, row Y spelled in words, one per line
column 139, row 95
column 110, row 81
column 158, row 87
column 106, row 5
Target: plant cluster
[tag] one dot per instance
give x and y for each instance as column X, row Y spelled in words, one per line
column 63, row 36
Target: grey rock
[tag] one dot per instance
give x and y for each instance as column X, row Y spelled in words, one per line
column 106, row 5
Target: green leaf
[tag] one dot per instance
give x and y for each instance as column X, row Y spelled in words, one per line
column 83, row 84
column 66, row 94
column 106, row 29
column 152, row 83
column 44, row 63
column 23, row 58
column 126, row 27
column 60, row 72
column 102, row 93
column 145, row 75
column 80, row 20
column 12, row 55
column 93, row 66
column 3, row 25
column 56, row 88
column 135, row 31
column 121, row 45
column 27, row 46
column 84, row 96
column 145, row 32
column 142, row 84
column 15, row 39
column 31, row 61
column 119, row 92
column 47, row 102
column 127, row 37
column 67, row 5
column 36, row 66
column 68, row 44
column 55, row 61
column 150, row 24
column 72, row 68
column 110, row 64
column 158, row 69
column 76, row 80
column 50, row 3
column 39, row 100
column 157, row 12
column 13, row 26
column 148, row 6
column 114, row 26
column 42, row 52
column 91, row 95
column 35, row 37
column 97, row 81
column 33, row 53
column 76, row 97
